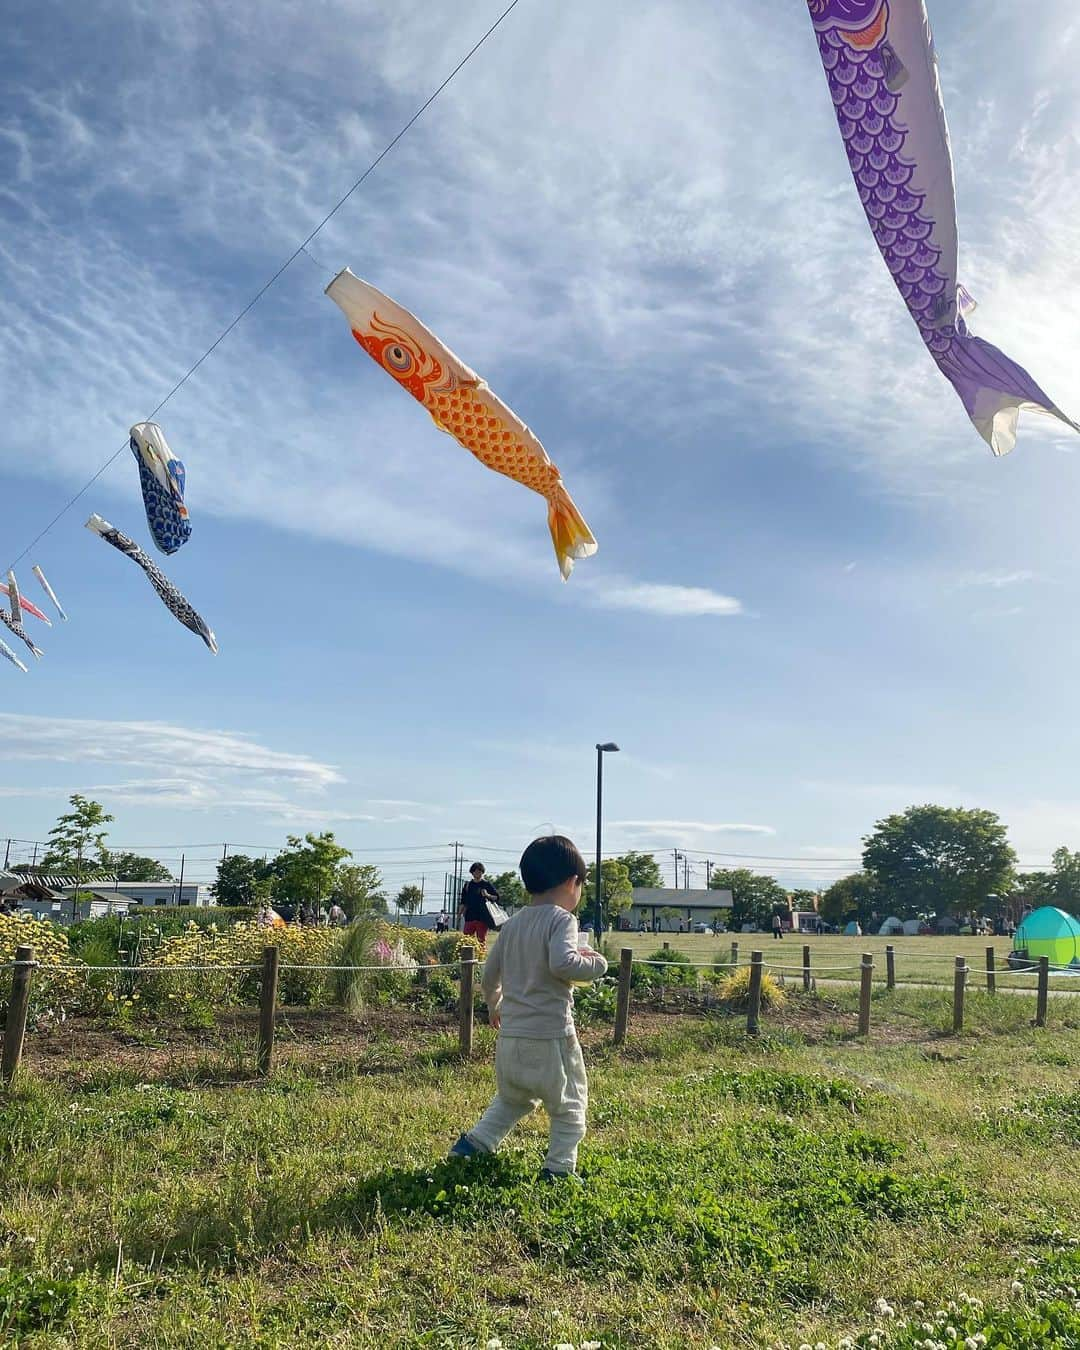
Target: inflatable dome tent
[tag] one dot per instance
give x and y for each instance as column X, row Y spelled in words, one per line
column 1052, row 933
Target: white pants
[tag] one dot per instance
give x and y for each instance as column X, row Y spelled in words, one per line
column 530, row 1073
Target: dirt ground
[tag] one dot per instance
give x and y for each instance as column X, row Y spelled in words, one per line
column 379, row 1040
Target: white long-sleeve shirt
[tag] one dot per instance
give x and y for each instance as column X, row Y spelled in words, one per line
column 529, row 973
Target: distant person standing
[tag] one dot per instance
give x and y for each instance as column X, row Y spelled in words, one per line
column 475, row 895
column 337, row 916
column 442, row 921
column 777, row 926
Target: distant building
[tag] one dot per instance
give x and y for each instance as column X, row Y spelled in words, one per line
column 142, row 894
column 711, row 908
column 43, row 896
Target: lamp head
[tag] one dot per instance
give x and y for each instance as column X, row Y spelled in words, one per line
column 608, row 745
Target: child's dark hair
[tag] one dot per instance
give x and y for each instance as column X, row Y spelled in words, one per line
column 550, row 861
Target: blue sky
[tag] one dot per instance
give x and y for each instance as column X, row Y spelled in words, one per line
column 817, row 599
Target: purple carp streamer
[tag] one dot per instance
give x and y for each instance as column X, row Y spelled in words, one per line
column 881, row 67
column 16, row 627
column 173, row 600
column 49, row 592
column 5, row 650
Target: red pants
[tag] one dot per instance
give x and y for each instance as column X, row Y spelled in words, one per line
column 478, row 929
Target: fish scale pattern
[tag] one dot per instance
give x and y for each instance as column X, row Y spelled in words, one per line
column 168, row 529
column 874, row 140
column 173, row 600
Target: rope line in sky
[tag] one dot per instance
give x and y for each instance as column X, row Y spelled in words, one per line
column 300, row 248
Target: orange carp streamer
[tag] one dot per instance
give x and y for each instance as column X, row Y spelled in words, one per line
column 462, row 405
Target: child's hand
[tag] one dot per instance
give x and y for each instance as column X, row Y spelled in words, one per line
column 495, row 1020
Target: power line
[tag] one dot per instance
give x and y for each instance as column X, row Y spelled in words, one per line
column 284, row 266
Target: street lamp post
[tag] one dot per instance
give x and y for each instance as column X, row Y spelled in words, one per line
column 601, row 750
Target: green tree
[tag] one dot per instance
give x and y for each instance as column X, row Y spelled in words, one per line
column 803, row 899
column 1067, row 880
column 1034, row 889
column 308, row 868
column 242, row 880
column 77, row 840
column 512, row 892
column 857, row 897
column 939, row 859
column 409, row 898
column 358, row 889
column 669, row 913
column 134, row 867
column 643, row 868
column 616, row 893
column 755, row 898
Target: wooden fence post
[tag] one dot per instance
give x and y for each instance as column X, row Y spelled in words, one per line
column 866, row 975
column 959, row 980
column 991, row 978
column 753, row 1012
column 15, row 1030
column 622, row 1005
column 806, row 969
column 264, row 1054
column 667, row 945
column 1044, row 985
column 734, row 955
column 465, row 1003
column 890, row 967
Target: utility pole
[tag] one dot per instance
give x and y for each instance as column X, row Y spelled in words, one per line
column 686, row 872
column 677, row 855
column 7, row 855
column 180, row 892
column 224, row 852
column 708, row 873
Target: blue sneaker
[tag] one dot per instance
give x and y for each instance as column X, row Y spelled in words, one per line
column 465, row 1148
column 546, row 1174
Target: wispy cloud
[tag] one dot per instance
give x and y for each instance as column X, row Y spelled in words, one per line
column 673, row 601
column 690, row 827
column 86, row 741
column 997, row 580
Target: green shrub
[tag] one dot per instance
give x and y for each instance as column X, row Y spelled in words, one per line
column 677, row 969
column 595, row 1003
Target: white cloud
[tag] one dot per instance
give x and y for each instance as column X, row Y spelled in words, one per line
column 690, row 827
column 653, row 598
column 997, row 580
column 86, row 740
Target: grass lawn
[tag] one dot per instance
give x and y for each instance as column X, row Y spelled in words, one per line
column 736, row 1193
column 917, row 958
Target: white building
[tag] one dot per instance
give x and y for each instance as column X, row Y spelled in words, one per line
column 708, row 908
column 143, row 894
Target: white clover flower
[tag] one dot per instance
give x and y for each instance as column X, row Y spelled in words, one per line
column 591, row 1345
column 564, row 1345
column 494, row 1344
column 821, row 1346
column 919, row 1305
column 806, row 1346
column 1016, row 1287
column 971, row 1343
column 951, row 1332
column 845, row 1343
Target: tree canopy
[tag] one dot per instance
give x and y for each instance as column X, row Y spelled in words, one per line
column 358, row 889
column 77, row 840
column 939, row 859
column 409, row 899
column 858, row 897
column 134, row 867
column 616, row 892
column 512, row 892
column 242, row 880
column 307, row 868
column 755, row 898
column 642, row 868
